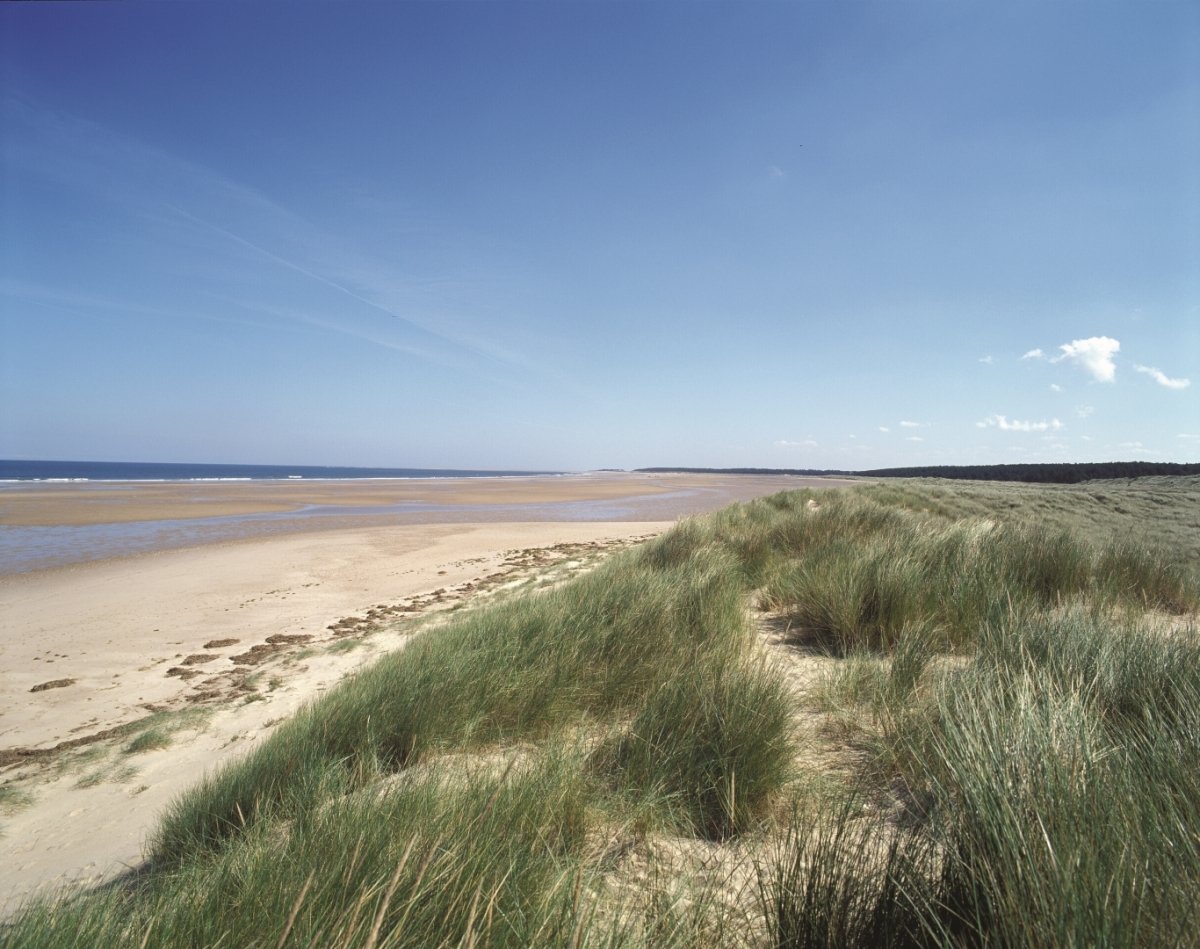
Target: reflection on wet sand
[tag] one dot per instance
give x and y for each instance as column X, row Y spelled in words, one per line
column 52, row 525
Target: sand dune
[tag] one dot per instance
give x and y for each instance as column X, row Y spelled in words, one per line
column 223, row 641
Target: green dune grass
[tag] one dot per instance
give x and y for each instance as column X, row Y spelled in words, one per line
column 1010, row 692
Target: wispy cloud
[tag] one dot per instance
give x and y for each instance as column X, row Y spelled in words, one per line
column 474, row 345
column 87, row 156
column 786, row 443
column 1006, row 424
column 93, row 307
column 1034, row 354
column 1055, row 387
column 168, row 191
column 986, row 360
column 284, row 262
column 1085, row 411
column 884, row 428
column 1162, row 378
column 775, row 173
column 365, row 334
column 907, row 424
column 1094, row 355
column 914, row 438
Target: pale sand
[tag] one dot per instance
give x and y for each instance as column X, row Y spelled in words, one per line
column 116, row 627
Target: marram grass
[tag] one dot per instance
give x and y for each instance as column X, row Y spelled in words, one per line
column 711, row 743
column 1018, row 688
column 1051, row 796
column 591, row 650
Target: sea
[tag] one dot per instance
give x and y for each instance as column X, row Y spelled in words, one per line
column 172, row 471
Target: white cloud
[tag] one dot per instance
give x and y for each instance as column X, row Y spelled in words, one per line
column 1163, row 379
column 1094, row 354
column 1085, row 438
column 1084, row 411
column 785, row 443
column 1130, row 445
column 910, row 424
column 1188, row 438
column 914, row 438
column 776, row 173
column 884, row 428
column 1006, row 424
column 1034, row 354
column 1055, row 387
column 986, row 360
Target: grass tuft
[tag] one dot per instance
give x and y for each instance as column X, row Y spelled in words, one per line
column 714, row 742
column 150, row 740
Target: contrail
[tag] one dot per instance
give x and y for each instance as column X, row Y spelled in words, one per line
column 284, row 262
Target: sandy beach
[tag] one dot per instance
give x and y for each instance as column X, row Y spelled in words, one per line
column 223, row 639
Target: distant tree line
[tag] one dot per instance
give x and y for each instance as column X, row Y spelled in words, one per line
column 1043, row 474
column 1064, row 473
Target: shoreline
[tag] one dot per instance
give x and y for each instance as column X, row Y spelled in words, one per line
column 75, row 504
column 49, row 526
column 60, row 504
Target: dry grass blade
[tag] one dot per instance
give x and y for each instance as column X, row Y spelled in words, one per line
column 377, row 925
column 291, row 920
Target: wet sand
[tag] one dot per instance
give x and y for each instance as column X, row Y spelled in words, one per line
column 72, row 504
column 49, row 525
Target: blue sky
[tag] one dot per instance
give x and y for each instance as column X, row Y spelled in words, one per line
column 577, row 235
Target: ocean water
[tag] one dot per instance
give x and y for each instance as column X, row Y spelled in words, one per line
column 157, row 471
